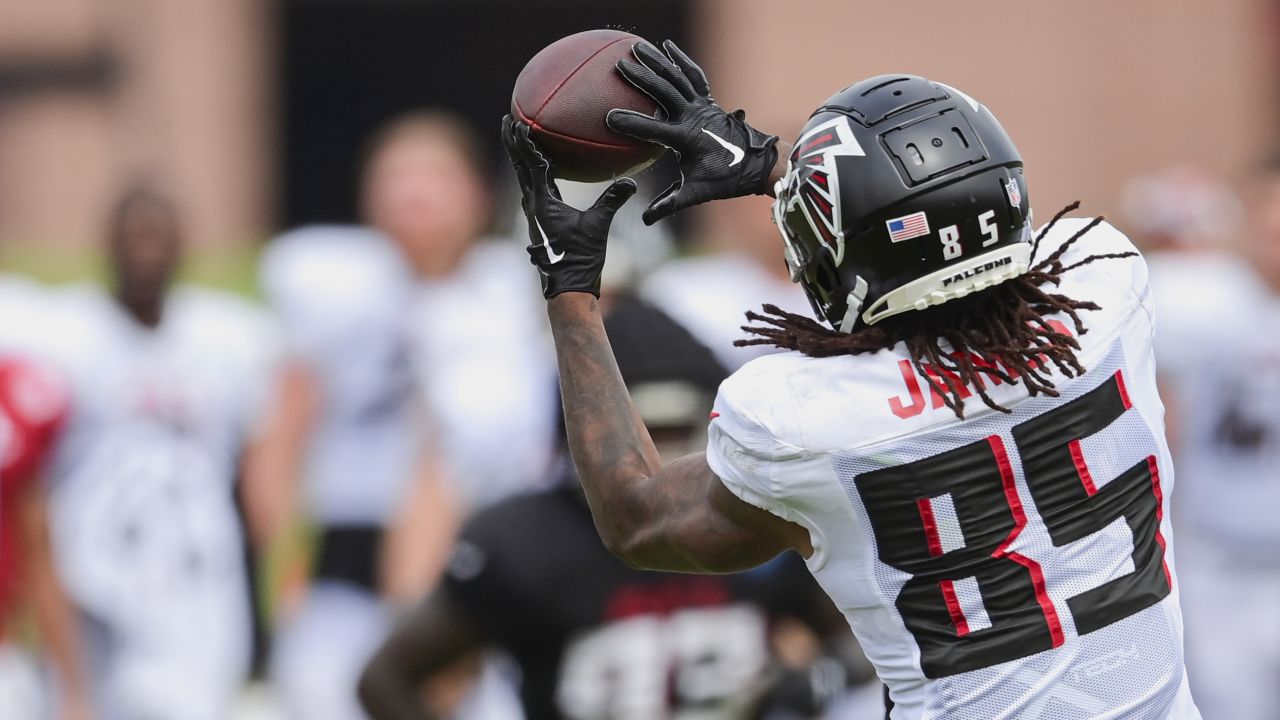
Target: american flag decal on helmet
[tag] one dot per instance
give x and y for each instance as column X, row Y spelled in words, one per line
column 813, row 183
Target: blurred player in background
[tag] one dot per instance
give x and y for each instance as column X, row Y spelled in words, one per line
column 594, row 638
column 1002, row 547
column 1226, row 375
column 33, row 407
column 420, row 389
column 1187, row 223
column 344, row 459
column 480, row 352
column 166, row 386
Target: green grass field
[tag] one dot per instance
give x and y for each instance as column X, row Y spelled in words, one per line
column 234, row 269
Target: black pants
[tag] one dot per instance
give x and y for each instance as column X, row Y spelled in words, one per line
column 350, row 554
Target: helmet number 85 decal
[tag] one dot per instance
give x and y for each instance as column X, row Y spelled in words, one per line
column 950, row 235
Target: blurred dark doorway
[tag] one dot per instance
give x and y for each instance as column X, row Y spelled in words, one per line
column 349, row 65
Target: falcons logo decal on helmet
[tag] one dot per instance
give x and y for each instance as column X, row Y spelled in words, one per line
column 813, row 184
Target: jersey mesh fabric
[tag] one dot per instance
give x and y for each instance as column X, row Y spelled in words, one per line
column 990, row 605
column 1019, row 688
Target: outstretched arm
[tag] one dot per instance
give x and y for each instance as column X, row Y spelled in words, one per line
column 677, row 517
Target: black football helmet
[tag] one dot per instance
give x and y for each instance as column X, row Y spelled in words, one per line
column 901, row 194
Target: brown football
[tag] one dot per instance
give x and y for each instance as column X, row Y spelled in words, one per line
column 564, row 93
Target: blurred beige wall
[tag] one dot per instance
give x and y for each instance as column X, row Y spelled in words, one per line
column 1092, row 91
column 192, row 109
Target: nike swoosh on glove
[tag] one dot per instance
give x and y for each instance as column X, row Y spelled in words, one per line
column 567, row 245
column 721, row 156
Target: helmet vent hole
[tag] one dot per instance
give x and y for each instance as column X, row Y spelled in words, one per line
column 963, row 140
column 897, row 92
column 913, row 153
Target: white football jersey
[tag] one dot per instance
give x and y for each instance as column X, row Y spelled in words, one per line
column 1012, row 565
column 1220, row 361
column 27, row 309
column 1198, row 295
column 341, row 294
column 143, row 521
column 486, row 369
column 710, row 295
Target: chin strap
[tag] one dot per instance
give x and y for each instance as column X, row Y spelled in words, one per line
column 853, row 305
column 950, row 283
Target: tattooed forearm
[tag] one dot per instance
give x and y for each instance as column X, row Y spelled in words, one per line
column 676, row 517
column 609, row 443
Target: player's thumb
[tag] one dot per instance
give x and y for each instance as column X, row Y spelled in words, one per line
column 615, row 196
column 666, row 204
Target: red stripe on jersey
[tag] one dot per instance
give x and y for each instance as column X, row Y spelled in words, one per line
column 1020, row 521
column 930, row 527
column 1124, row 391
column 953, row 607
column 1155, row 488
column 1082, row 468
column 33, row 407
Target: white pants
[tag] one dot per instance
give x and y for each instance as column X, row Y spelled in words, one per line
column 1231, row 610
column 169, row 674
column 321, row 651
column 21, row 693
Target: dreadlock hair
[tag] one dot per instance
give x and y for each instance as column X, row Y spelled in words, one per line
column 1001, row 332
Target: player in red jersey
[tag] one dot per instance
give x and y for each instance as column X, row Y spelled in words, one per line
column 33, row 405
column 966, row 444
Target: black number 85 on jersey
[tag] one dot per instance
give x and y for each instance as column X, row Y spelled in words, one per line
column 915, row 509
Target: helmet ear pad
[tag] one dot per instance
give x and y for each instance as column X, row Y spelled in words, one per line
column 898, row 182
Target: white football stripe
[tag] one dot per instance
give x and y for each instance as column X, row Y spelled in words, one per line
column 950, row 536
column 975, row 613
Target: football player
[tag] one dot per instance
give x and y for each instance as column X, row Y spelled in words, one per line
column 165, row 386
column 1186, row 222
column 1228, row 447
column 486, row 376
column 594, row 638
column 966, row 444
column 406, row 400
column 33, row 406
column 342, row 454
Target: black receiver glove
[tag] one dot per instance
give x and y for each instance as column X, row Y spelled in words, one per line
column 566, row 244
column 721, row 156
